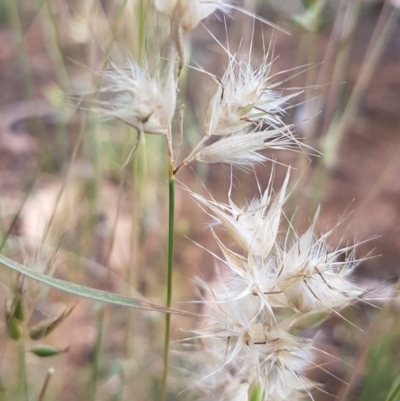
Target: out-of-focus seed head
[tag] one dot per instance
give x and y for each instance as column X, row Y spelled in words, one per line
column 137, row 98
column 189, row 13
column 42, row 258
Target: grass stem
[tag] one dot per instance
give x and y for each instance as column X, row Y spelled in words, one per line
column 22, row 374
column 171, row 221
column 96, row 354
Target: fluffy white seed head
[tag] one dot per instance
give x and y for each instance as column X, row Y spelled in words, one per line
column 258, row 351
column 312, row 276
column 241, row 149
column 254, row 227
column 213, row 383
column 265, row 295
column 244, row 117
column 135, row 97
column 245, row 99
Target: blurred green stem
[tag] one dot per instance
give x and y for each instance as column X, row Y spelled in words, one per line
column 334, row 132
column 142, row 14
column 23, row 61
column 114, row 28
column 96, row 354
column 22, row 389
column 171, row 221
column 55, row 50
column 18, row 38
column 372, row 58
column 370, row 337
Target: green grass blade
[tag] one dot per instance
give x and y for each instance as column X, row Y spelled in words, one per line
column 394, row 394
column 88, row 292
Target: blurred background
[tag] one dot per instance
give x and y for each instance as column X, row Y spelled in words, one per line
column 62, row 187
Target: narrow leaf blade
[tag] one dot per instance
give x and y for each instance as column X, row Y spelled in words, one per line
column 394, row 394
column 88, row 292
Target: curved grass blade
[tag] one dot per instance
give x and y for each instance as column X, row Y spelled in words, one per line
column 394, row 394
column 88, row 292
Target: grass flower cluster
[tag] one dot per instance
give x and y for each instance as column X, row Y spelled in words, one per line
column 247, row 336
column 273, row 285
column 244, row 117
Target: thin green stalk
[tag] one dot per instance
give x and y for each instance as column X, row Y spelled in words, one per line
column 17, row 215
column 19, row 43
column 22, row 374
column 142, row 15
column 373, row 56
column 171, row 221
column 96, row 356
column 340, row 67
column 114, row 29
column 23, row 64
column 334, row 133
column 55, row 50
column 370, row 337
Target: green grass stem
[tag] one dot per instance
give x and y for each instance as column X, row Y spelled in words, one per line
column 394, row 394
column 97, row 354
column 370, row 337
column 24, row 65
column 171, row 221
column 22, row 389
column 55, row 50
column 114, row 29
column 373, row 57
column 142, row 23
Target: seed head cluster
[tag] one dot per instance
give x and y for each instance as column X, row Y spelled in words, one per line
column 274, row 286
column 244, row 117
